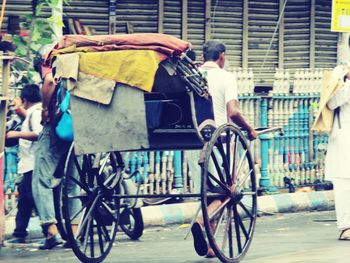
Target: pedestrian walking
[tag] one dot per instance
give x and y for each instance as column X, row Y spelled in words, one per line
column 338, row 153
column 223, row 89
column 27, row 140
column 50, row 157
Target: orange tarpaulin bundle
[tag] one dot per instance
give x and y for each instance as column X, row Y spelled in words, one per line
column 164, row 44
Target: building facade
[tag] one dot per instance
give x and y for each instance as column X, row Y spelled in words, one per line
column 248, row 27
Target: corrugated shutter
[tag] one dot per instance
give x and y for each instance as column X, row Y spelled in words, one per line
column 16, row 8
column 172, row 17
column 196, row 24
column 297, row 34
column 90, row 12
column 94, row 14
column 141, row 15
column 263, row 17
column 227, row 25
column 326, row 41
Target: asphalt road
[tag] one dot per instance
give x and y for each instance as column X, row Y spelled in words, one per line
column 285, row 238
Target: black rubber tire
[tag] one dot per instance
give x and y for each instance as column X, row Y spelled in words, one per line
column 133, row 226
column 226, row 193
column 98, row 216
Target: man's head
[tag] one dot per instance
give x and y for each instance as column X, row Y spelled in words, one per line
column 214, row 50
column 30, row 95
column 40, row 57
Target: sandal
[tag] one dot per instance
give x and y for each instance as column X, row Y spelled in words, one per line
column 345, row 235
column 50, row 243
column 200, row 244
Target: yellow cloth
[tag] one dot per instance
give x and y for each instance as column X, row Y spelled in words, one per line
column 135, row 68
column 331, row 82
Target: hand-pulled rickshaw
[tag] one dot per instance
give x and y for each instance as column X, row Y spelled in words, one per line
column 142, row 92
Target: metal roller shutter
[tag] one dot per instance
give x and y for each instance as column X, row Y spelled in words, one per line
column 142, row 15
column 196, row 24
column 16, row 8
column 297, row 34
column 263, row 17
column 94, row 14
column 172, row 17
column 227, row 25
column 326, row 41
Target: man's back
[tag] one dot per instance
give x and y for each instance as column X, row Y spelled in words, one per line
column 222, row 87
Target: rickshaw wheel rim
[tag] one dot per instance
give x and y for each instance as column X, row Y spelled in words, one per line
column 234, row 198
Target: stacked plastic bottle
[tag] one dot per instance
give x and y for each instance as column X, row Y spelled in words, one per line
column 245, row 81
column 281, row 84
column 307, row 81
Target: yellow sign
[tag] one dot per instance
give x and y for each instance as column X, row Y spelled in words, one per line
column 340, row 16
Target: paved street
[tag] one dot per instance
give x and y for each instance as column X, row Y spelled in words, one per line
column 285, row 238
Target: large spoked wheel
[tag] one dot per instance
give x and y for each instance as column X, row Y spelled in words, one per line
column 90, row 208
column 229, row 194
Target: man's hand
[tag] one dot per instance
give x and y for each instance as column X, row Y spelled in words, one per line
column 12, row 135
column 252, row 134
column 45, row 116
column 17, row 102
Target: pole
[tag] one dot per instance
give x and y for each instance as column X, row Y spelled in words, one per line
column 2, row 13
column 264, row 182
column 3, row 111
column 178, row 171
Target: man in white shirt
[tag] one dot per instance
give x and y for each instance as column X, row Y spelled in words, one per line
column 338, row 154
column 223, row 89
column 31, row 127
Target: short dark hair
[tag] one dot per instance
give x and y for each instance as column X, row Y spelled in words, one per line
column 212, row 50
column 31, row 92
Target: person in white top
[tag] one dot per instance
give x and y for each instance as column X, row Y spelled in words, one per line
column 338, row 156
column 223, row 89
column 31, row 127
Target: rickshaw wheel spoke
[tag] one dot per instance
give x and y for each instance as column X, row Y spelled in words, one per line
column 228, row 148
column 220, row 208
column 103, row 228
column 238, row 220
column 217, row 167
column 78, row 212
column 235, row 170
column 238, row 232
column 220, row 183
column 246, row 210
column 100, row 240
column 230, row 242
column 92, row 224
column 229, row 219
column 225, row 164
column 91, row 233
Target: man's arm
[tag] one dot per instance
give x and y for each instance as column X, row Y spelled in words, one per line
column 47, row 90
column 234, row 115
column 30, row 136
